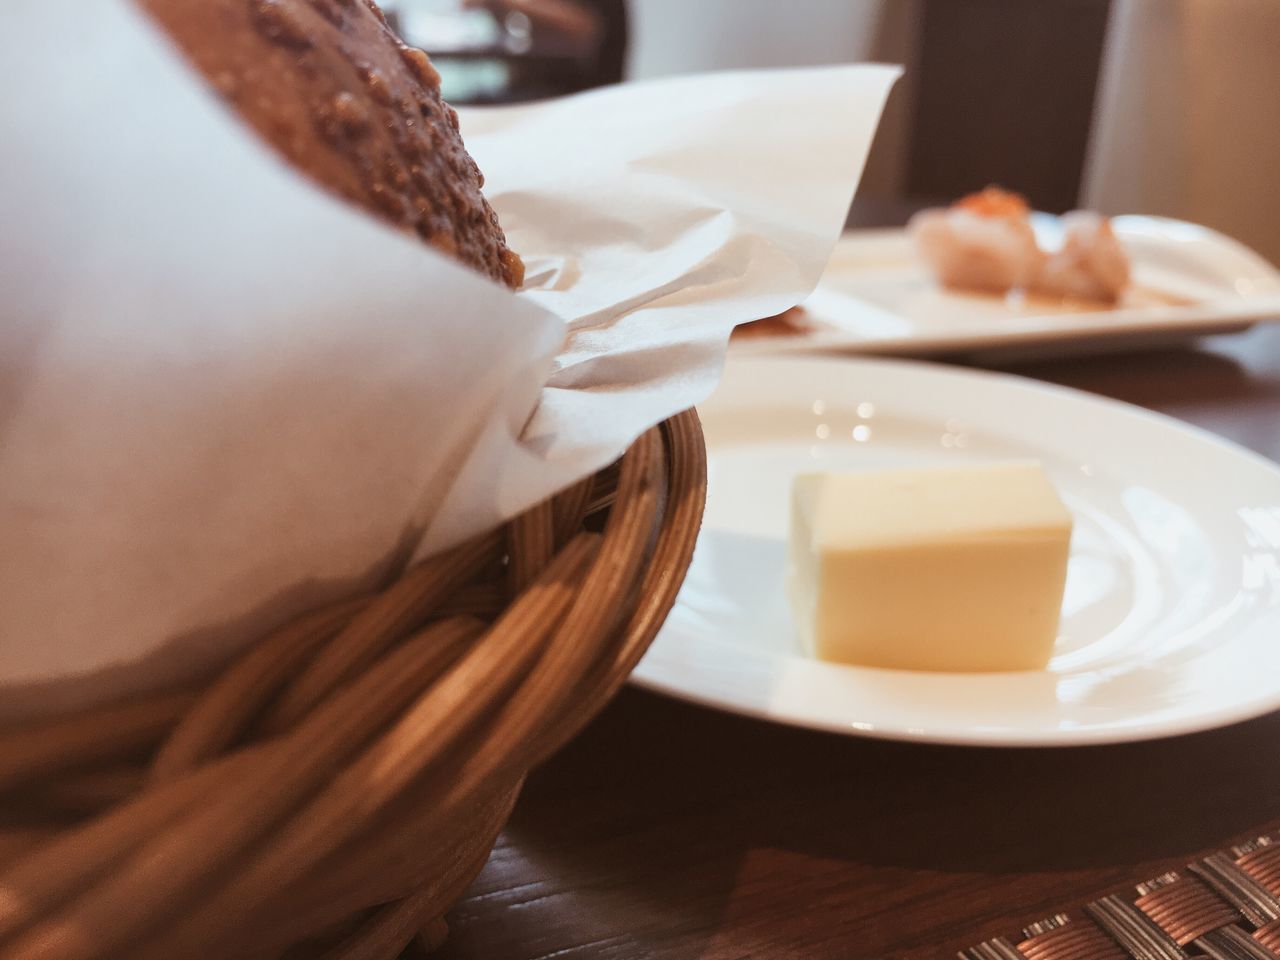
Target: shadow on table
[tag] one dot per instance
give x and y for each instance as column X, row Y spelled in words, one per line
column 668, row 821
column 649, row 762
column 1242, row 370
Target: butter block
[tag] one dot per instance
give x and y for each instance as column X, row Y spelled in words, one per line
column 948, row 569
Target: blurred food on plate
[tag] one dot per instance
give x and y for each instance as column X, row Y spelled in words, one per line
column 985, row 242
column 795, row 320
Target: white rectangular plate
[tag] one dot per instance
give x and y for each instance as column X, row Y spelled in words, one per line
column 878, row 297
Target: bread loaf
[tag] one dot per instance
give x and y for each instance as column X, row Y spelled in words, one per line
column 330, row 87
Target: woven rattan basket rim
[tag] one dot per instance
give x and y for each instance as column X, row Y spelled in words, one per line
column 335, row 789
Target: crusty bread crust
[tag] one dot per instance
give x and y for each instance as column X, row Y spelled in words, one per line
column 330, row 86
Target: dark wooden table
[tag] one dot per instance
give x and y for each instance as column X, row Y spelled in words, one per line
column 669, row 831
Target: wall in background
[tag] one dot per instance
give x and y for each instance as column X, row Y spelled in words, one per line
column 996, row 91
column 1188, row 119
column 1185, row 120
column 687, row 36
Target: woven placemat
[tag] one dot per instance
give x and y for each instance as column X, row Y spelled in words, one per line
column 1225, row 906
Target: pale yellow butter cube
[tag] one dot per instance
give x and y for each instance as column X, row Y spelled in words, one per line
column 958, row 568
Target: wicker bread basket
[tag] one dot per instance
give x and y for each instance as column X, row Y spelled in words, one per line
column 336, row 789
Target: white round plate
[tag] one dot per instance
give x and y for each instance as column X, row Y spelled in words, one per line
column 1171, row 619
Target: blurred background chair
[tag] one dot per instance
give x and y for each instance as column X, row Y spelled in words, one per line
column 508, row 51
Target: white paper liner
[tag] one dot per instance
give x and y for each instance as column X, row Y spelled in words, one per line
column 227, row 397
